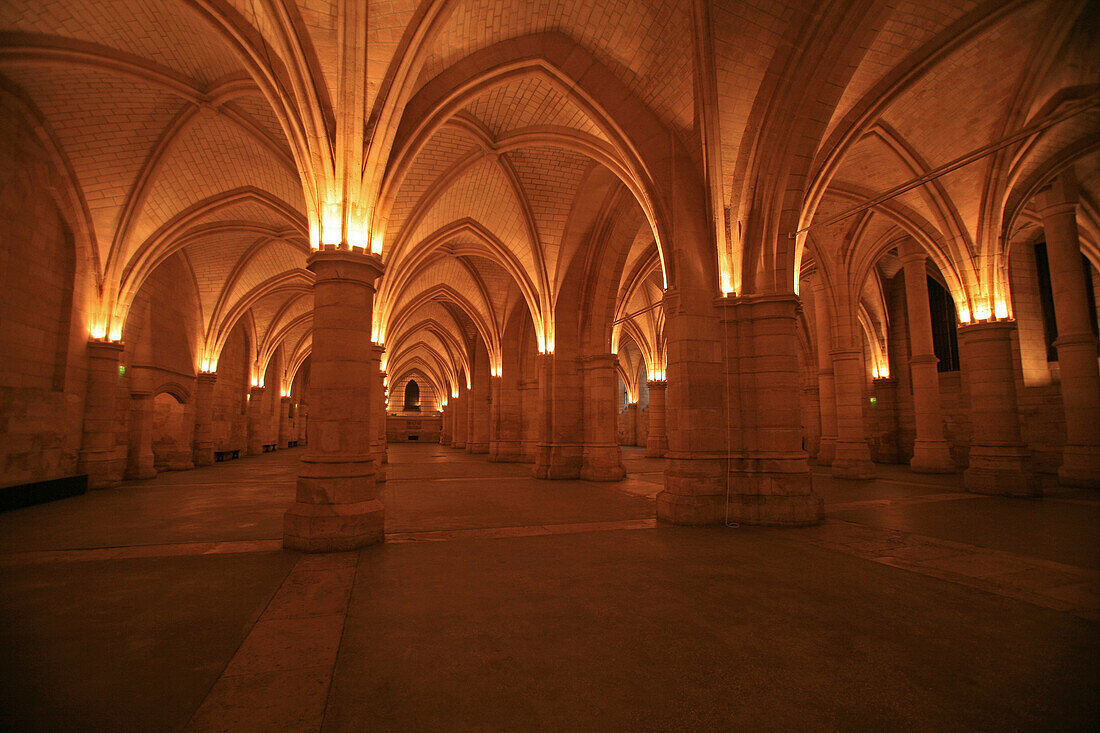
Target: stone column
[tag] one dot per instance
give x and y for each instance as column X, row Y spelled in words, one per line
column 999, row 461
column 826, row 388
column 657, row 440
column 885, row 419
column 100, row 456
column 768, row 471
column 602, row 458
column 338, row 505
column 1076, row 343
column 507, row 443
column 560, row 449
column 630, row 423
column 204, row 419
column 477, row 406
column 284, row 423
column 495, row 405
column 447, row 430
column 529, row 396
column 255, row 443
column 378, row 423
column 139, row 458
column 931, row 452
column 461, row 419
column 853, row 457
column 302, row 419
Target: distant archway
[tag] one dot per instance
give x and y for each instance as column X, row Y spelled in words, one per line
column 412, row 397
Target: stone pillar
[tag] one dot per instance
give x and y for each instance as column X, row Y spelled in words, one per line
column 447, row 419
column 630, row 423
column 884, row 411
column 338, row 505
column 302, row 420
column 602, row 458
column 284, row 423
column 999, row 461
column 931, row 452
column 529, row 397
column 768, row 471
column 461, row 418
column 204, row 419
column 657, row 440
column 477, row 404
column 506, row 443
column 139, row 458
column 826, row 388
column 100, row 456
column 378, row 423
column 853, row 457
column 495, row 387
column 255, row 443
column 1076, row 343
column 560, row 448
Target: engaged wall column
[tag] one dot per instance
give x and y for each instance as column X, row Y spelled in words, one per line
column 657, row 439
column 826, row 388
column 931, row 453
column 338, row 505
column 1076, row 342
column 255, row 444
column 100, row 457
column 204, row 419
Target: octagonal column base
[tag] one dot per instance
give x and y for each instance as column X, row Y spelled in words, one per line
column 333, row 527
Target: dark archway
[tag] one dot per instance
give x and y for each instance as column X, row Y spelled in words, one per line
column 412, row 397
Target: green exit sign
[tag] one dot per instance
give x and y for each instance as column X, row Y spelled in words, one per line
column 122, row 370
column 874, row 400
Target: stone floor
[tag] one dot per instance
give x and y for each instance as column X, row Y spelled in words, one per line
column 501, row 602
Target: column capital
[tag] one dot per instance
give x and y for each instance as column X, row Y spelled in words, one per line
column 256, row 390
column 286, row 399
column 206, row 377
column 104, row 349
column 329, row 263
column 1058, row 196
column 884, row 382
column 141, row 394
column 656, row 383
column 988, row 329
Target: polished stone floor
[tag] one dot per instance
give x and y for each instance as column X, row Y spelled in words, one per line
column 501, row 602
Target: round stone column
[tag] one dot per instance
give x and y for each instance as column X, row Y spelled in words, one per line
column 204, row 419
column 826, row 389
column 284, row 423
column 338, row 504
column 139, row 458
column 255, row 443
column 999, row 461
column 100, row 456
column 460, row 421
column 1076, row 343
column 446, row 431
column 630, row 423
column 853, row 457
column 657, row 439
column 378, row 437
column 931, row 452
column 601, row 456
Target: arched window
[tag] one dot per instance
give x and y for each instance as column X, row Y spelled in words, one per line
column 412, row 396
column 945, row 335
column 1046, row 298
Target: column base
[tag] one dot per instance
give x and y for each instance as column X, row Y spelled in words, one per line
column 478, row 448
column 656, row 446
column 140, row 473
column 333, row 527
column 776, row 510
column 695, row 491
column 459, row 444
column 204, row 454
column 1080, row 467
column 853, row 462
column 557, row 462
column 1003, row 470
column 602, row 463
column 505, row 451
column 826, row 452
column 932, row 456
column 104, row 468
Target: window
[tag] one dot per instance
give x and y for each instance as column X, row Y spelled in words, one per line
column 945, row 335
column 1046, row 298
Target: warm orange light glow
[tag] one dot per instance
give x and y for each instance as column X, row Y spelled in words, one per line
column 331, row 224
